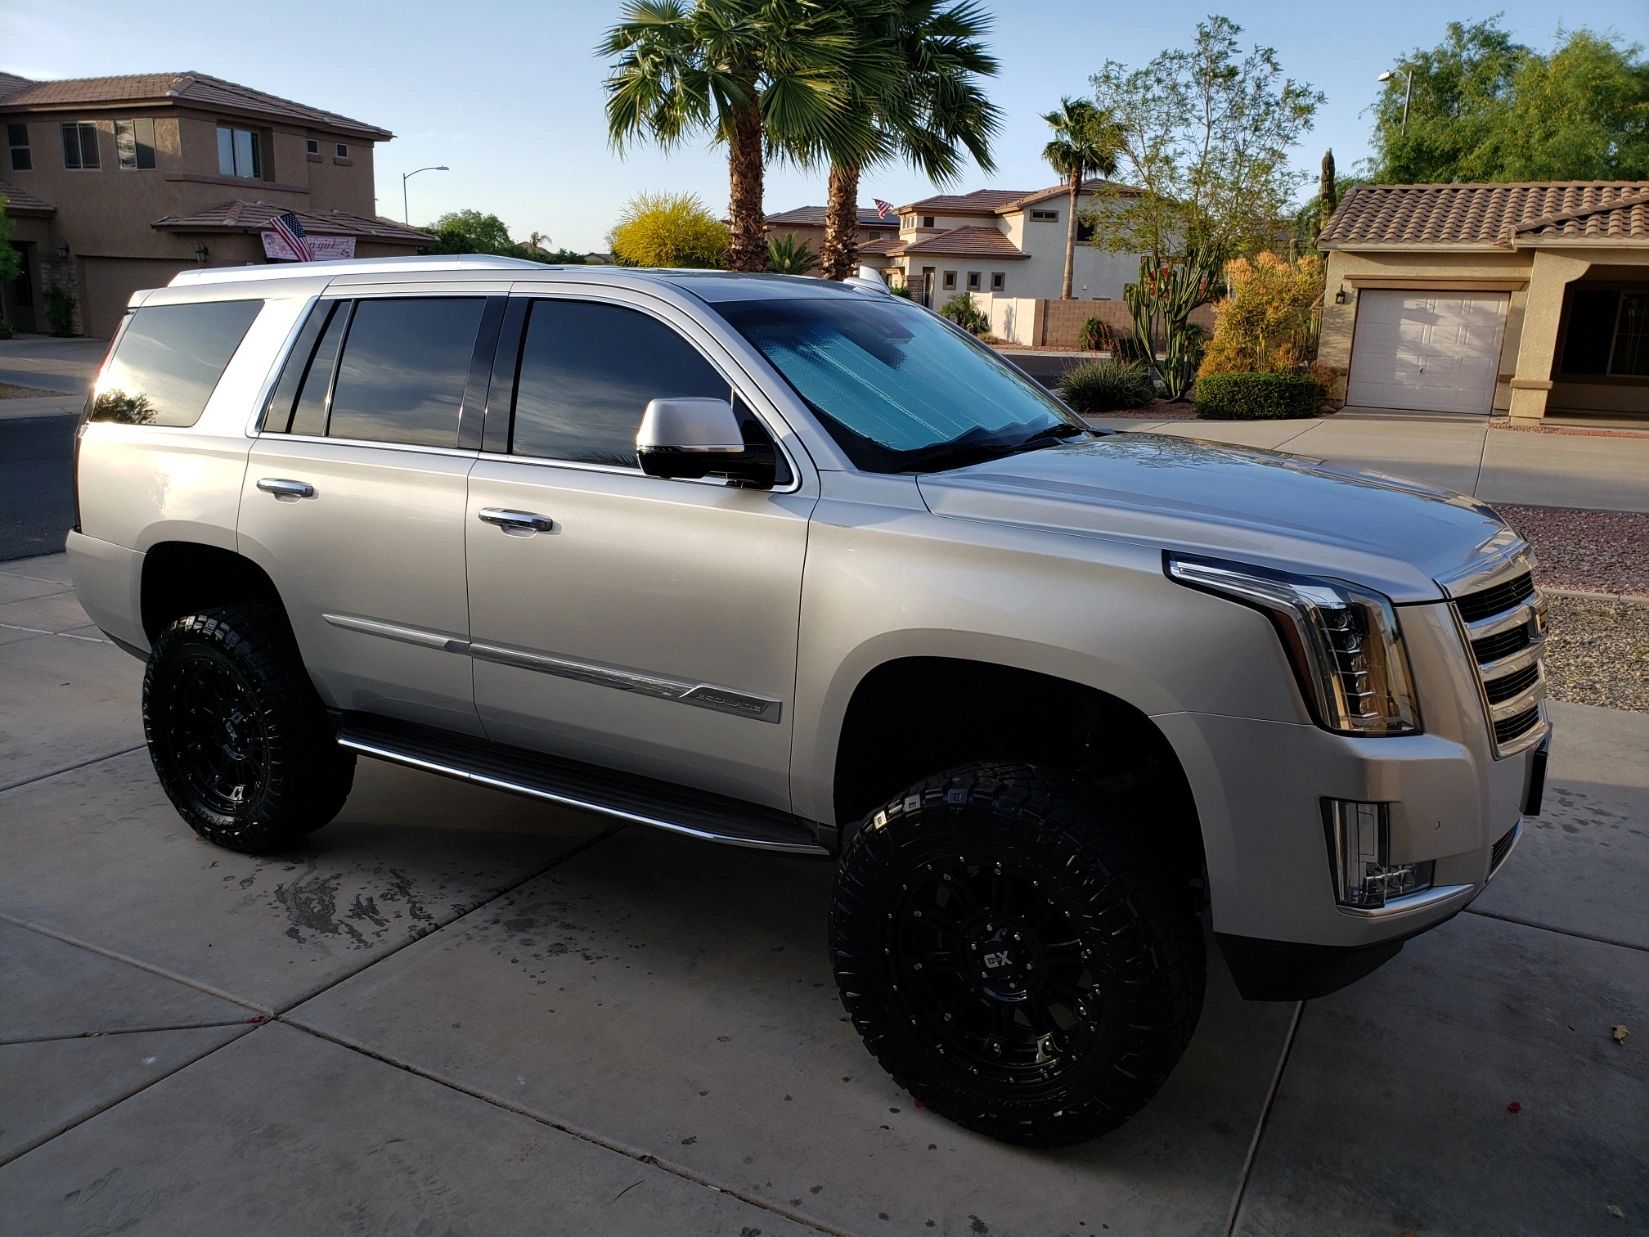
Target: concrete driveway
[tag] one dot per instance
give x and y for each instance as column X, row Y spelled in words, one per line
column 458, row 1012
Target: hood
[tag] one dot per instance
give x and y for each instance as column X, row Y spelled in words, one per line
column 1284, row 511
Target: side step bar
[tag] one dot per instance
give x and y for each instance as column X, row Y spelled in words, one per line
column 636, row 800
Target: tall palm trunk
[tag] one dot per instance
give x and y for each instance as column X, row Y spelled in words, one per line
column 839, row 252
column 747, row 245
column 1070, row 234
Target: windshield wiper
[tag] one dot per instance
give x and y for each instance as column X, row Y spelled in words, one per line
column 974, row 447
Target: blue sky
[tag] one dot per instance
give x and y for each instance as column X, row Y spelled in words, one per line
column 508, row 93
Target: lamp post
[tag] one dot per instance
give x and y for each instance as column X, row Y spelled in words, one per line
column 1408, row 89
column 406, row 214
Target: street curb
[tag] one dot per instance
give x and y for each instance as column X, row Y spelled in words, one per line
column 1581, row 594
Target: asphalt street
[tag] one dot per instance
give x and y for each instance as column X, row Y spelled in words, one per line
column 36, row 485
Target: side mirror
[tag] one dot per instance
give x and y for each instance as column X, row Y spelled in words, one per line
column 687, row 439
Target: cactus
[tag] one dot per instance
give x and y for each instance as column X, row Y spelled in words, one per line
column 1161, row 303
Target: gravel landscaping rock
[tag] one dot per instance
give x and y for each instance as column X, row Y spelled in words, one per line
column 1588, row 551
column 1598, row 652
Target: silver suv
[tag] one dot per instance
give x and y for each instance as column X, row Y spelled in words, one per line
column 798, row 566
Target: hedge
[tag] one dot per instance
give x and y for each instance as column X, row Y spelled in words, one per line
column 1257, row 397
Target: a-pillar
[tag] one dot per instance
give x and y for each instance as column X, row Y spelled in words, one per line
column 1549, row 279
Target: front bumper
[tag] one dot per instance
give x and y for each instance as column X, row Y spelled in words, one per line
column 1259, row 788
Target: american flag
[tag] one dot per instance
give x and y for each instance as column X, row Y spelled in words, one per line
column 291, row 231
column 883, row 209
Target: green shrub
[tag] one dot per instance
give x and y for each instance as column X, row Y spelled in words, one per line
column 1127, row 348
column 59, row 310
column 902, row 289
column 1257, row 397
column 1095, row 336
column 5, row 329
column 961, row 310
column 1106, row 386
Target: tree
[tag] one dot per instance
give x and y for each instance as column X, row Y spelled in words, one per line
column 470, row 231
column 786, row 257
column 1085, row 140
column 748, row 72
column 928, row 107
column 536, row 248
column 11, row 263
column 669, row 229
column 1264, row 323
column 1486, row 108
column 1204, row 134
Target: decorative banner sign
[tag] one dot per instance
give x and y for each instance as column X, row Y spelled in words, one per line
column 324, row 248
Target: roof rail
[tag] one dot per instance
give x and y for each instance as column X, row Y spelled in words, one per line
column 349, row 266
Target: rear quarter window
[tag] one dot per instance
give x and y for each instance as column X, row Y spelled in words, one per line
column 169, row 360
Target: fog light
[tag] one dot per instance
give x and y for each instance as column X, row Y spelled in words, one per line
column 1359, row 846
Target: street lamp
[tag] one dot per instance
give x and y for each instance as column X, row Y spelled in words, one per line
column 1408, row 89
column 406, row 215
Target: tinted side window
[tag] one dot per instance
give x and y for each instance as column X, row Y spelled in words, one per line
column 587, row 372
column 401, row 377
column 309, row 413
column 169, row 361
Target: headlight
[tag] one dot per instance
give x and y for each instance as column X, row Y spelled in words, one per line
column 1343, row 642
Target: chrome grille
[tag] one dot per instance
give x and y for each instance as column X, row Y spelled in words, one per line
column 1503, row 619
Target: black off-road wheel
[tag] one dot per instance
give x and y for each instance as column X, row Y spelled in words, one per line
column 1010, row 960
column 239, row 739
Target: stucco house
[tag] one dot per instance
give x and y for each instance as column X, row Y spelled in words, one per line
column 807, row 224
column 1005, row 242
column 1522, row 299
column 117, row 183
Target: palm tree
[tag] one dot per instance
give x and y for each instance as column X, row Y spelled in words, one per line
column 1085, row 140
column 932, row 110
column 779, row 72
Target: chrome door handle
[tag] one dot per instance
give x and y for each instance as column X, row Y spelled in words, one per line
column 284, row 490
column 516, row 521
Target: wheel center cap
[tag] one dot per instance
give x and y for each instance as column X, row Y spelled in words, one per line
column 1005, row 959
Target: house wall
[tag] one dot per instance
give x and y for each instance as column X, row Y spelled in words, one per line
column 1032, row 321
column 1095, row 273
column 104, row 216
column 1475, row 270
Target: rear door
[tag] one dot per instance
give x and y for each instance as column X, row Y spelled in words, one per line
column 355, row 492
column 646, row 625
column 1432, row 351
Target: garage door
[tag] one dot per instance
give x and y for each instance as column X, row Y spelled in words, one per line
column 1434, row 351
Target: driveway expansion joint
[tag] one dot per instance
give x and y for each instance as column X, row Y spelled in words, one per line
column 91, row 760
column 1546, row 927
column 1265, row 1115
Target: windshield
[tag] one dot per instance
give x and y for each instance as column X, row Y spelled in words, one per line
column 898, row 388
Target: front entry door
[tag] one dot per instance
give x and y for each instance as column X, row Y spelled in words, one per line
column 619, row 619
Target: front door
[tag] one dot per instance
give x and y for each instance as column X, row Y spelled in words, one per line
column 619, row 619
column 354, row 501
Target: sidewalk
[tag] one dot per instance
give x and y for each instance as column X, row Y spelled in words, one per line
column 456, row 1011
column 1459, row 453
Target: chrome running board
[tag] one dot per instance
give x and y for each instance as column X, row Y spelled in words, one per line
column 634, row 800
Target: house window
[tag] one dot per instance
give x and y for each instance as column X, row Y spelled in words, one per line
column 999, row 281
column 973, row 281
column 1084, row 231
column 950, row 279
column 1608, row 334
column 341, row 150
column 927, row 221
column 17, row 137
column 1044, row 216
column 135, row 143
column 312, row 146
column 240, row 153
column 80, row 147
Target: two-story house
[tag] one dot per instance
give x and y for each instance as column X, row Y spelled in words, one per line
column 117, row 183
column 1006, row 242
column 807, row 225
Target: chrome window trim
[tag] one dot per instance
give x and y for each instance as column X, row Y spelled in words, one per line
column 499, row 457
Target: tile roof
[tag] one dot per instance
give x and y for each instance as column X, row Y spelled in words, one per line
column 243, row 216
column 814, row 216
column 979, row 202
column 880, row 247
column 983, row 241
column 1509, row 215
column 22, row 202
column 187, row 88
column 1093, row 185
